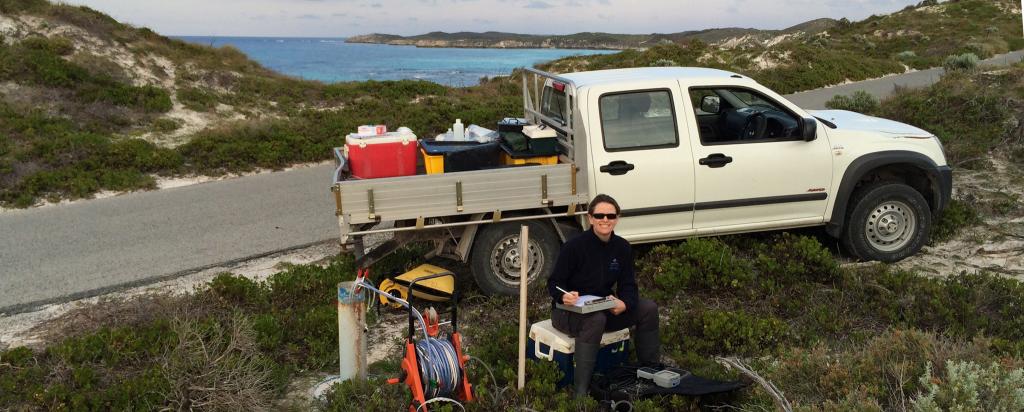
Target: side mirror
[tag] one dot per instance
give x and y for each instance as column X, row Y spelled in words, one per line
column 710, row 104
column 809, row 131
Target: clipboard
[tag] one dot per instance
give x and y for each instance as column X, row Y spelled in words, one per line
column 589, row 306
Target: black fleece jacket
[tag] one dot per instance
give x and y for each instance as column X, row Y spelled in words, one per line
column 592, row 267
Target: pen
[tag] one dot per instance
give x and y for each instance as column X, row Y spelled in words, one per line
column 563, row 290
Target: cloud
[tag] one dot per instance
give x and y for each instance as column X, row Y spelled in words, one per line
column 537, row 4
column 483, row 21
column 308, row 17
column 376, row 5
column 339, row 14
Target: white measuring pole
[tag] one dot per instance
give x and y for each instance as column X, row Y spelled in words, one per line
column 524, row 271
column 351, row 339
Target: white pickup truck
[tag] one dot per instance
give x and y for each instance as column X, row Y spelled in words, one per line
column 686, row 151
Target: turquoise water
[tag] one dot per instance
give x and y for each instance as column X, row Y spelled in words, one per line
column 333, row 60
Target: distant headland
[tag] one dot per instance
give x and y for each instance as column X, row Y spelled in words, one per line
column 586, row 40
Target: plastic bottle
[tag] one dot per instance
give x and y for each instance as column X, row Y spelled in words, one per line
column 460, row 130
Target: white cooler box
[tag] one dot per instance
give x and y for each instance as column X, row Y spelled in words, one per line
column 548, row 344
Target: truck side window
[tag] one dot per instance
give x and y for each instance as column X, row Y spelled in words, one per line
column 729, row 115
column 638, row 120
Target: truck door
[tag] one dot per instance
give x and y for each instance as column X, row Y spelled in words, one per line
column 753, row 166
column 641, row 156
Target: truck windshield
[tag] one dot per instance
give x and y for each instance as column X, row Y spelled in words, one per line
column 553, row 103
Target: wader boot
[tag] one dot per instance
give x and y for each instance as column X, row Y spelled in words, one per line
column 648, row 348
column 585, row 358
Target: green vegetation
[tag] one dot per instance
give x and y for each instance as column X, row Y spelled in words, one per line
column 860, row 101
column 966, row 61
column 53, row 158
column 874, row 338
column 956, row 216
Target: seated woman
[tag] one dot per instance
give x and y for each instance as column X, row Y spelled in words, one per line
column 594, row 263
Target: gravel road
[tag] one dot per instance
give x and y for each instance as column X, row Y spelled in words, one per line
column 59, row 253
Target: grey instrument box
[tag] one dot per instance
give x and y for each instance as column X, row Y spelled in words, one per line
column 662, row 378
column 590, row 306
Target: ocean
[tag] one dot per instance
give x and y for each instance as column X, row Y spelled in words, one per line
column 333, row 60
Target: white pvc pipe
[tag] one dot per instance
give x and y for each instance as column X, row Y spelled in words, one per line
column 524, row 270
column 351, row 338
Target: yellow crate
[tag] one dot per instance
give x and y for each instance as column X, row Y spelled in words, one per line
column 544, row 160
column 433, row 163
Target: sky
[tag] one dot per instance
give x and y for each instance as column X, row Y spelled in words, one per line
column 341, row 18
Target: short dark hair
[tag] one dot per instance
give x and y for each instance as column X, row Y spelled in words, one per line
column 602, row 198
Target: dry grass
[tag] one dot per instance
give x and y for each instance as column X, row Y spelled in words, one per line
column 217, row 367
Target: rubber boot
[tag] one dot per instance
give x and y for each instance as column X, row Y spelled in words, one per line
column 585, row 358
column 648, row 348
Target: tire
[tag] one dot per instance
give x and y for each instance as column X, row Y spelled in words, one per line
column 494, row 260
column 887, row 222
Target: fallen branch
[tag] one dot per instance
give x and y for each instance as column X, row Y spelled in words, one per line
column 780, row 400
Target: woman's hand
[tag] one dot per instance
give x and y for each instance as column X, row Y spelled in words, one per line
column 570, row 298
column 620, row 306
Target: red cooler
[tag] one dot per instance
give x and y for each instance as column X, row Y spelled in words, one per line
column 388, row 155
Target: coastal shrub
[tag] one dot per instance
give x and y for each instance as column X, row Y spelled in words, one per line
column 59, row 46
column 197, row 99
column 709, row 332
column 879, row 372
column 44, row 67
column 90, row 20
column 788, row 259
column 244, row 146
column 970, row 386
column 372, row 394
column 824, row 67
column 966, row 61
column 19, row 6
column 860, row 101
column 702, row 263
column 149, row 99
column 166, row 125
column 53, row 160
column 239, row 291
column 957, row 216
column 906, row 54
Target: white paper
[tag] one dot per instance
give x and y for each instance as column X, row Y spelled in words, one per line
column 582, row 300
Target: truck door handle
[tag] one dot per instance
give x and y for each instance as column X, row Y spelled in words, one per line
column 617, row 167
column 715, row 160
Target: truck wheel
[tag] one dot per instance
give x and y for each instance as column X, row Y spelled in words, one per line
column 495, row 259
column 886, row 222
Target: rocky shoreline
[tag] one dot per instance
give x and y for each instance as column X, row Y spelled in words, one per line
column 539, row 42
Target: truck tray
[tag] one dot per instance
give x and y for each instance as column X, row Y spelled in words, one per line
column 453, row 194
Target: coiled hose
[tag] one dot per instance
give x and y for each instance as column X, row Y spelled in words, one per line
column 439, row 363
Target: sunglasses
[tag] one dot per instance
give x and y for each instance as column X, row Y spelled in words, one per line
column 599, row 216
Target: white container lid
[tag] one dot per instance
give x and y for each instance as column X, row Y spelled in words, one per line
column 544, row 332
column 539, row 132
column 391, row 137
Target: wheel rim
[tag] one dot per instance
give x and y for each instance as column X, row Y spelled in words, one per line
column 506, row 261
column 890, row 226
